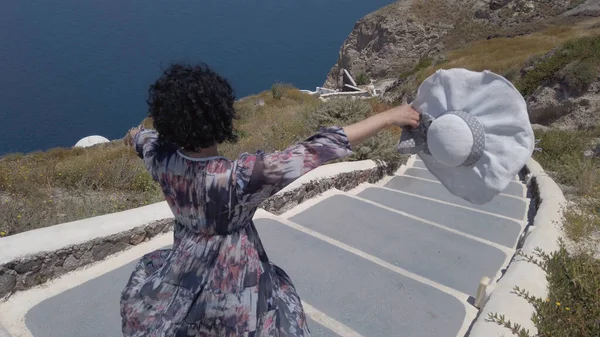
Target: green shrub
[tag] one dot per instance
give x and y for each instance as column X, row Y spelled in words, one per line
column 578, row 77
column 279, row 90
column 342, row 112
column 512, row 75
column 572, row 307
column 580, row 225
column 423, row 64
column 362, row 79
column 585, row 50
column 562, row 156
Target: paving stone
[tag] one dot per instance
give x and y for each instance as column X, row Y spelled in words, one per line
column 486, row 226
column 437, row 254
column 503, row 205
column 372, row 300
column 92, row 309
column 420, row 164
column 513, row 188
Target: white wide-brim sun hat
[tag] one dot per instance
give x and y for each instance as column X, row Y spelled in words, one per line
column 474, row 134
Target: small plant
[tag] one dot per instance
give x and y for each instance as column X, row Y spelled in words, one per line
column 583, row 52
column 512, row 75
column 279, row 90
column 340, row 111
column 345, row 111
column 563, row 157
column 572, row 307
column 515, row 328
column 362, row 79
column 578, row 77
column 242, row 133
column 423, row 64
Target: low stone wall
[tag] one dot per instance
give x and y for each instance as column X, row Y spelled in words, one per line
column 282, row 202
column 49, row 259
column 30, row 271
column 543, row 232
column 347, row 94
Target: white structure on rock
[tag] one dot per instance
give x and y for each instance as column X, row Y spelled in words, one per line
column 91, row 141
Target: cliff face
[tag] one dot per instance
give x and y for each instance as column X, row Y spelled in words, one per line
column 392, row 40
column 386, row 43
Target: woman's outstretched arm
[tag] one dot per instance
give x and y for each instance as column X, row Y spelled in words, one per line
column 399, row 116
column 261, row 175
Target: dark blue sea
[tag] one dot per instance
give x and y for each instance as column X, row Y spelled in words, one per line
column 70, row 69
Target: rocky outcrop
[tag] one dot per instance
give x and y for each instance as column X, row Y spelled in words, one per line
column 586, row 8
column 594, row 149
column 387, row 43
column 570, row 100
column 391, row 41
column 508, row 13
column 557, row 107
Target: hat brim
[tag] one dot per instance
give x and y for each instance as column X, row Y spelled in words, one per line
column 501, row 109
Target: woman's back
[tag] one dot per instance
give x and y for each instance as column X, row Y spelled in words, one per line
column 217, row 279
column 202, row 194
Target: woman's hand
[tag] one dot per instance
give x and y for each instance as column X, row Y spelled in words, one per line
column 403, row 115
column 400, row 116
column 130, row 136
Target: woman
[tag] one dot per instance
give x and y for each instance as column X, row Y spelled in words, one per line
column 217, row 279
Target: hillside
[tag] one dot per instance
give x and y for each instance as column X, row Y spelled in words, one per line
column 400, row 45
column 549, row 49
column 60, row 185
column 391, row 41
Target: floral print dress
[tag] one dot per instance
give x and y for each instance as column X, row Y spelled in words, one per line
column 217, row 279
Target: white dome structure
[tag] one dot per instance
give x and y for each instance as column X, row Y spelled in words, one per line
column 91, row 141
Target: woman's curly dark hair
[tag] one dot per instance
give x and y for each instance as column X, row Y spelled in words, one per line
column 192, row 107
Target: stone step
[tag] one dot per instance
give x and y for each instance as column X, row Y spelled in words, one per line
column 368, row 298
column 92, row 309
column 420, row 164
column 509, row 206
column 514, row 188
column 484, row 225
column 437, row 254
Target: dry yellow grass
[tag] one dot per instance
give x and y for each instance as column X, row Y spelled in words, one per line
column 60, row 185
column 562, row 157
column 276, row 125
column 503, row 55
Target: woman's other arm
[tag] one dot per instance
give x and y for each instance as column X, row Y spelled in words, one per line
column 399, row 116
column 261, row 175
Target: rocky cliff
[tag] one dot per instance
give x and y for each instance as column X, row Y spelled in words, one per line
column 392, row 40
column 398, row 45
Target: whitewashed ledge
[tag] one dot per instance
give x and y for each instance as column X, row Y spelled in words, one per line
column 31, row 258
column 543, row 233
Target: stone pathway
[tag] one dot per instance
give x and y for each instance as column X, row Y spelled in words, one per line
column 400, row 258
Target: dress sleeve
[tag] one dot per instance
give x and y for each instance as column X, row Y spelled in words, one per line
column 260, row 175
column 146, row 147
